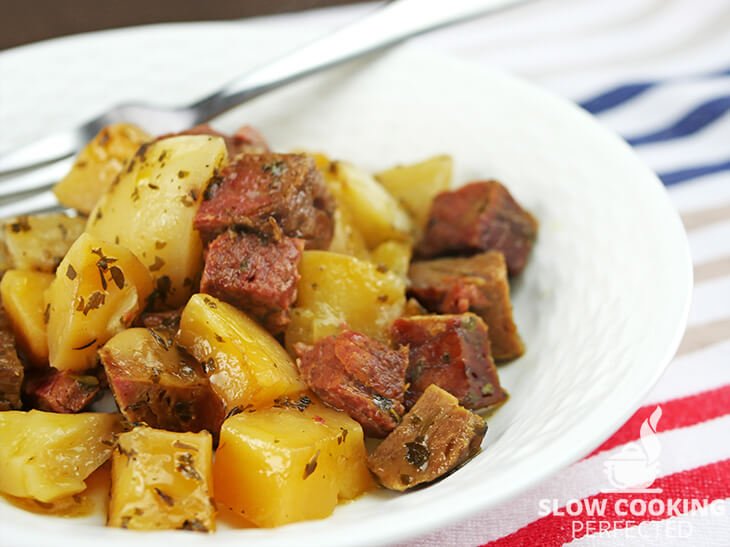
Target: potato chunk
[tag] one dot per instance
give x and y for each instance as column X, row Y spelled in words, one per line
column 98, row 291
column 39, row 242
column 98, row 164
column 415, row 185
column 150, row 210
column 22, row 295
column 47, row 456
column 338, row 291
column 162, row 480
column 394, row 255
column 376, row 214
column 347, row 239
column 290, row 462
column 245, row 364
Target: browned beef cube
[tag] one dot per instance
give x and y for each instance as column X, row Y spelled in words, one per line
column 451, row 351
column 478, row 284
column 272, row 194
column 61, row 391
column 436, row 436
column 156, row 383
column 246, row 140
column 255, row 275
column 359, row 375
column 11, row 369
column 481, row 216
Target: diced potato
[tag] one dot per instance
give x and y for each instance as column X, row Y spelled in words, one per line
column 395, row 255
column 290, row 463
column 22, row 295
column 162, row 480
column 347, row 239
column 415, row 185
column 336, row 290
column 98, row 291
column 39, row 242
column 376, row 214
column 245, row 364
column 46, row 456
column 98, row 164
column 150, row 210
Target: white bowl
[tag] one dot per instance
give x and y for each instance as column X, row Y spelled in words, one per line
column 601, row 306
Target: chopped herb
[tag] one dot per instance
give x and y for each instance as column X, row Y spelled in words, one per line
column 85, row 345
column 159, row 263
column 165, row 497
column 182, row 174
column 21, row 224
column 194, row 525
column 162, row 156
column 446, row 358
column 219, row 338
column 382, row 268
column 184, row 446
column 153, row 186
column 96, row 300
column 243, row 265
column 417, row 453
column 70, row 272
column 208, row 302
column 135, row 194
column 142, row 152
column 89, row 384
column 311, row 465
column 117, row 276
column 213, row 184
column 301, row 405
column 160, row 244
column 382, row 298
column 46, row 314
column 275, row 168
column 208, row 366
column 185, row 465
column 159, row 339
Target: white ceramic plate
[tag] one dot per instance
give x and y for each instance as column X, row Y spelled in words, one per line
column 601, row 307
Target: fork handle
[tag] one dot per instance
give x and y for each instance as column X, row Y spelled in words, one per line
column 389, row 24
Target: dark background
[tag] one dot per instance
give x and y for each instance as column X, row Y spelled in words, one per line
column 25, row 21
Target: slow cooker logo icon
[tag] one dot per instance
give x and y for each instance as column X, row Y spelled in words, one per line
column 635, row 468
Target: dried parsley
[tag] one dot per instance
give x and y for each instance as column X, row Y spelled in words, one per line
column 311, row 465
column 165, row 497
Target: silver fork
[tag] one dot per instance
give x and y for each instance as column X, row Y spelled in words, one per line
column 28, row 172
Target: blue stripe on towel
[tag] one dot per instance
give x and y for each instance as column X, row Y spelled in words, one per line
column 682, row 175
column 615, row 97
column 623, row 93
column 697, row 119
